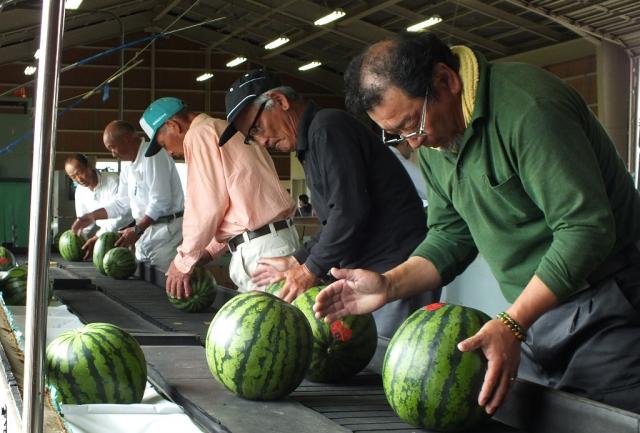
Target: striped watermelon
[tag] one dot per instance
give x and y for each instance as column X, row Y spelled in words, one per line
column 341, row 349
column 104, row 243
column 258, row 346
column 13, row 286
column 98, row 363
column 274, row 289
column 119, row 263
column 203, row 286
column 7, row 259
column 428, row 382
column 70, row 246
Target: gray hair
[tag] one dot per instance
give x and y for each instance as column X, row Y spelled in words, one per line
column 287, row 91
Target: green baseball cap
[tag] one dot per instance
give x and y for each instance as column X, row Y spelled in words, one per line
column 155, row 116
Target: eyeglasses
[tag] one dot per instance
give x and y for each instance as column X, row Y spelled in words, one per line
column 419, row 133
column 254, row 129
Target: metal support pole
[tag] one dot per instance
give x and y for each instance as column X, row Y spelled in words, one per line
column 52, row 26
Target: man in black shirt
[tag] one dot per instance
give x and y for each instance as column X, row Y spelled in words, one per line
column 370, row 212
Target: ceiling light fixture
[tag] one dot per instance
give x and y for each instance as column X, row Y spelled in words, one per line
column 36, row 55
column 335, row 15
column 237, row 61
column 424, row 24
column 205, row 76
column 276, row 43
column 72, row 4
column 309, row 65
column 30, row 70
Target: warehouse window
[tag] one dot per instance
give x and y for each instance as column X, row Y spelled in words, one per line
column 111, row 166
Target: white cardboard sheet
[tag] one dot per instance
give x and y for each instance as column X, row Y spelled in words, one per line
column 155, row 414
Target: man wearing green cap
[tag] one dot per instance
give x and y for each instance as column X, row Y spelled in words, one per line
column 234, row 196
column 150, row 188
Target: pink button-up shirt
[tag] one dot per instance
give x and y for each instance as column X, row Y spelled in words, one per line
column 230, row 190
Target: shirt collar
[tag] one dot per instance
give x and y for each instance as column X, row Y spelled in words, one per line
column 199, row 118
column 99, row 179
column 141, row 150
column 302, row 135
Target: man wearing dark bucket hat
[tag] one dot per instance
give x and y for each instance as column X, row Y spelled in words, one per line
column 370, row 212
column 234, row 196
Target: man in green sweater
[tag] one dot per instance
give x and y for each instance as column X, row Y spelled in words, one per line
column 519, row 169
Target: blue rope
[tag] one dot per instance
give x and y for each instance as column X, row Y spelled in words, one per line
column 61, row 112
column 9, row 147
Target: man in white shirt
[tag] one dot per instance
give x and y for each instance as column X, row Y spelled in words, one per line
column 403, row 152
column 94, row 190
column 150, row 188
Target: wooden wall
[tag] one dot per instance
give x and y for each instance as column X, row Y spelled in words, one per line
column 581, row 75
column 177, row 64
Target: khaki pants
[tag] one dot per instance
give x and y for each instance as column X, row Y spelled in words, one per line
column 158, row 244
column 245, row 258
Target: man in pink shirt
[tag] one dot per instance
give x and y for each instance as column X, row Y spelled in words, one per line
column 234, row 197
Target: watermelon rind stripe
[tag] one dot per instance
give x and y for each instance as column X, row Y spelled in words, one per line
column 428, row 382
column 257, row 340
column 98, row 363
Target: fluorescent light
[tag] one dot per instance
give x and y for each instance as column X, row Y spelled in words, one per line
column 30, row 70
column 205, row 76
column 276, row 43
column 36, row 55
column 237, row 61
column 72, row 4
column 308, row 66
column 335, row 15
column 424, row 24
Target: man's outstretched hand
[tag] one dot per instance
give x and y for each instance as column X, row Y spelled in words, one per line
column 356, row 292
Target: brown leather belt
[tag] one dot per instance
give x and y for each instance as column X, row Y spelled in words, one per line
column 264, row 230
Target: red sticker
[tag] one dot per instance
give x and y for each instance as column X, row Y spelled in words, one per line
column 434, row 307
column 340, row 331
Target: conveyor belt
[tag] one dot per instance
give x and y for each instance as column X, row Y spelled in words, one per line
column 172, row 341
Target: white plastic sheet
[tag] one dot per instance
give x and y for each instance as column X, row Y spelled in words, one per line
column 155, row 414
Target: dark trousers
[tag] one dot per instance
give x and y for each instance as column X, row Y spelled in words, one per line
column 590, row 344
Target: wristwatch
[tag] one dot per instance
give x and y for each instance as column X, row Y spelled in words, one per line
column 138, row 230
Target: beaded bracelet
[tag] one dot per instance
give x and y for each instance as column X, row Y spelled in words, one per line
column 514, row 326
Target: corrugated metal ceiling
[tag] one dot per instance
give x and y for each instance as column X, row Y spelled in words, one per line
column 498, row 28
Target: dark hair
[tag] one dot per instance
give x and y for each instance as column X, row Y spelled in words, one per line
column 304, row 198
column 405, row 60
column 77, row 157
column 121, row 128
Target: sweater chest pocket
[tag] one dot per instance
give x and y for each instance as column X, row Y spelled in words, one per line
column 509, row 201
